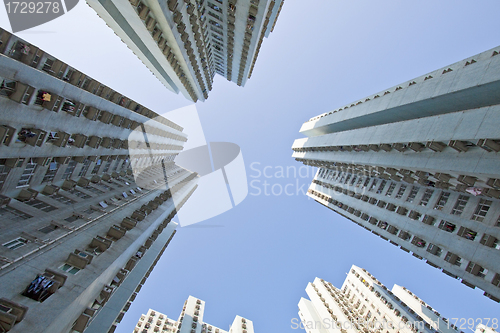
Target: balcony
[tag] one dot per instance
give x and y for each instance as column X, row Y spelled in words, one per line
column 117, row 143
column 436, row 146
column 6, row 134
column 98, row 245
column 418, row 242
column 476, row 269
column 490, row 241
column 467, row 233
column 138, row 215
column 489, row 145
column 59, row 139
column 93, row 141
column 428, row 220
column 131, row 263
column 91, row 113
column 46, row 99
column 79, row 259
column 128, row 223
column 105, row 117
column 11, row 313
column 77, row 140
column 68, row 184
column 31, row 136
column 54, row 67
column 116, row 232
column 42, row 287
column 404, row 235
column 74, row 77
column 392, row 230
column 14, row 90
column 83, row 320
column 447, row 226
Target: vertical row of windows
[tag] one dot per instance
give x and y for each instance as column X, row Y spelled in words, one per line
column 28, row 173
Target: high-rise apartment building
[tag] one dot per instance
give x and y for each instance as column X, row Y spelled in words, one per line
column 417, row 165
column 190, row 321
column 88, row 187
column 485, row 329
column 365, row 305
column 186, row 42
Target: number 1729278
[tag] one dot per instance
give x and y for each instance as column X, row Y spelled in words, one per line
column 471, row 323
column 40, row 7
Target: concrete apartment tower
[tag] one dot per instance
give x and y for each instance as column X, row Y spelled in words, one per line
column 189, row 321
column 485, row 329
column 88, row 187
column 417, row 164
column 186, row 42
column 365, row 305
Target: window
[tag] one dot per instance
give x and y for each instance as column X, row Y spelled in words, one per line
column 496, row 280
column 401, row 191
column 453, row 259
column 16, row 243
column 434, row 249
column 4, row 172
column 43, row 206
column 69, row 269
column 467, row 233
column 96, row 168
column 391, row 189
column 381, row 187
column 426, row 197
column 481, row 210
column 372, row 187
column 106, row 167
column 413, row 194
column 447, row 226
column 51, row 172
column 69, row 170
column 48, row 229
column 85, row 168
column 13, row 214
column 443, row 199
column 72, row 218
column 79, row 194
column 476, row 269
column 367, row 181
column 62, row 199
column 460, row 205
column 28, row 173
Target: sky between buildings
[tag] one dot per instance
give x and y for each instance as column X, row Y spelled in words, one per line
column 256, row 259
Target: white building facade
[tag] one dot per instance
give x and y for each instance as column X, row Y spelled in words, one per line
column 417, row 165
column 364, row 304
column 185, row 43
column 189, row 321
column 88, row 189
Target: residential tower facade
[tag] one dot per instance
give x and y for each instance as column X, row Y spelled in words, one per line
column 417, row 165
column 189, row 321
column 88, row 188
column 364, row 304
column 185, row 43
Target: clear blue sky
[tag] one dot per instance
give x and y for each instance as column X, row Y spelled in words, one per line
column 256, row 259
